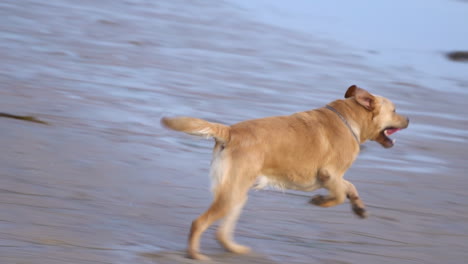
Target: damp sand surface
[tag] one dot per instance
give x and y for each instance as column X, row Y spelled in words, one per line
column 104, row 183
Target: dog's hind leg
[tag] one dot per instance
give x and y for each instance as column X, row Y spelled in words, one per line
column 218, row 209
column 239, row 181
column 230, row 197
column 224, row 233
column 356, row 203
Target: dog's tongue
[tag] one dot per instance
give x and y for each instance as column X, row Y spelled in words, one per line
column 392, row 131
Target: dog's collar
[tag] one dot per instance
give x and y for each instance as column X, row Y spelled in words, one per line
column 344, row 121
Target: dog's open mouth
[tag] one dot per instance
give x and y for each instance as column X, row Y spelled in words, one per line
column 384, row 138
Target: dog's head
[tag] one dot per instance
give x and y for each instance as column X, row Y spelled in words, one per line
column 385, row 121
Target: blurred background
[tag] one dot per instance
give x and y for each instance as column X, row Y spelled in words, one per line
column 104, row 183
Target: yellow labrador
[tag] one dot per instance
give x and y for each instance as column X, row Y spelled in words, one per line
column 303, row 151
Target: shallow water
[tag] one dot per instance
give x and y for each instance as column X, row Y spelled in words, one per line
column 106, row 184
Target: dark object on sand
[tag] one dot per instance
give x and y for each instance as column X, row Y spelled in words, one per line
column 458, row 56
column 25, row 118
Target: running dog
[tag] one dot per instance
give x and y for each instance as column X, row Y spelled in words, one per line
column 303, row 151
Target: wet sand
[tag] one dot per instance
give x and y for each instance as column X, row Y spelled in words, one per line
column 104, row 183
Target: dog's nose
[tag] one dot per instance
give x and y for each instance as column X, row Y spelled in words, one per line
column 407, row 121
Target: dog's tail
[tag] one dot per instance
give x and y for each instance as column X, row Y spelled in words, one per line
column 198, row 127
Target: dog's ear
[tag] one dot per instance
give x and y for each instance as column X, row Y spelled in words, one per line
column 361, row 96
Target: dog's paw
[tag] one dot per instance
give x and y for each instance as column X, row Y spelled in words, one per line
column 360, row 211
column 197, row 256
column 318, row 200
column 239, row 249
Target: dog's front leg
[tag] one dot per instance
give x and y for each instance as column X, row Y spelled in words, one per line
column 336, row 189
column 356, row 203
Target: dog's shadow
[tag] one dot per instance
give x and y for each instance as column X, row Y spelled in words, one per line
column 180, row 257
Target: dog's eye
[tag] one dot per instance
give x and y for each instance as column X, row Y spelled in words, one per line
column 394, row 110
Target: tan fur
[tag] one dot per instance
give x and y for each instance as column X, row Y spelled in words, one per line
column 197, row 127
column 303, row 151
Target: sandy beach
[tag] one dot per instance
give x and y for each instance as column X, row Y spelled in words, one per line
column 103, row 182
